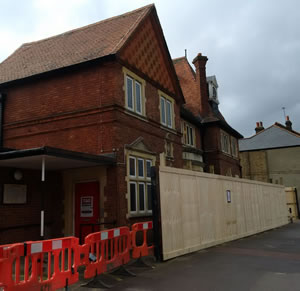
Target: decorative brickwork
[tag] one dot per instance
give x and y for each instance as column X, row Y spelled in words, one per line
column 145, row 53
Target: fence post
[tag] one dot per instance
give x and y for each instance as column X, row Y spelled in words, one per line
column 156, row 213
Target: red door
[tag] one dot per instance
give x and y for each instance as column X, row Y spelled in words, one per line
column 86, row 208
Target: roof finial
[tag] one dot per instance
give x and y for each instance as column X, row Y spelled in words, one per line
column 185, row 53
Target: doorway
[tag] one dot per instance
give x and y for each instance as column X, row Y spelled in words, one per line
column 86, row 208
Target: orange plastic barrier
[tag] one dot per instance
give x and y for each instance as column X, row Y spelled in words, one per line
column 40, row 265
column 6, row 262
column 52, row 264
column 105, row 248
column 141, row 250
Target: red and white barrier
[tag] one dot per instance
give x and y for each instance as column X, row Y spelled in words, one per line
column 105, row 248
column 30, row 257
column 144, row 249
column 52, row 264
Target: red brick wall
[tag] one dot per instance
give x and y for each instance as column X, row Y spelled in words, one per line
column 214, row 156
column 25, row 218
column 64, row 111
column 84, row 111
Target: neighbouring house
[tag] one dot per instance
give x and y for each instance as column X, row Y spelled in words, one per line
column 84, row 116
column 272, row 155
column 219, row 141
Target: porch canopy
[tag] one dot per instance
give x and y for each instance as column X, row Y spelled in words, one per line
column 53, row 158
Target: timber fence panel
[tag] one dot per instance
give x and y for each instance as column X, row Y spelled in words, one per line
column 196, row 212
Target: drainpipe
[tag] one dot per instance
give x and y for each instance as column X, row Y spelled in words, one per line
column 2, row 102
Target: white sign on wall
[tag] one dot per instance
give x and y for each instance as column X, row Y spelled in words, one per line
column 14, row 194
column 86, row 206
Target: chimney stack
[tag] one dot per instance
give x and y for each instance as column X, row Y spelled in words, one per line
column 201, row 103
column 259, row 127
column 288, row 123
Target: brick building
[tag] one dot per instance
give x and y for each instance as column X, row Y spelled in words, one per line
column 219, row 141
column 84, row 115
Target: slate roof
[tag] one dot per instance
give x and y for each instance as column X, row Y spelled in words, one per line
column 275, row 136
column 73, row 47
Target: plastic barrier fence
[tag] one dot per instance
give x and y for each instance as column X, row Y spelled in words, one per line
column 52, row 264
column 46, row 265
column 106, row 248
column 142, row 250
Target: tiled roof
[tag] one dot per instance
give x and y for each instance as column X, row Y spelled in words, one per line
column 272, row 137
column 73, row 47
column 187, row 78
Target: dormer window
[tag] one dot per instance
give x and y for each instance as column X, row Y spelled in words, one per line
column 212, row 89
column 214, row 92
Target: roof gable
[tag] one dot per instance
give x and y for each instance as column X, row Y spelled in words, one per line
column 146, row 50
column 272, row 137
column 73, row 47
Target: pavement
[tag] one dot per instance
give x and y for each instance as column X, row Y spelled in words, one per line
column 269, row 261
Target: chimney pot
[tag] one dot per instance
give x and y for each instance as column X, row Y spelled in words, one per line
column 288, row 123
column 259, row 127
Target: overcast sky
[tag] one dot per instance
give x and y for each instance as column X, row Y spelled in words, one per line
column 253, row 46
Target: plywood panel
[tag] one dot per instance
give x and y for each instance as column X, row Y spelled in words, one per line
column 195, row 213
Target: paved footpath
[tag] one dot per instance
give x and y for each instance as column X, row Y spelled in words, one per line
column 269, row 261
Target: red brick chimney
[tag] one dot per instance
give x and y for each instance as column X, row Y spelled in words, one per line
column 288, row 123
column 201, row 102
column 259, row 127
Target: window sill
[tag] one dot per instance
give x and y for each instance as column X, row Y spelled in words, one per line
column 139, row 215
column 230, row 155
column 172, row 130
column 191, row 149
column 136, row 115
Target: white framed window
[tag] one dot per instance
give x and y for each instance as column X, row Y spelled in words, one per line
column 134, row 93
column 138, row 97
column 139, row 181
column 169, row 115
column 142, row 195
column 130, row 94
column 225, row 143
column 234, row 147
column 148, row 168
column 141, row 169
column 132, row 167
column 133, row 196
column 188, row 134
column 167, row 111
column 163, row 110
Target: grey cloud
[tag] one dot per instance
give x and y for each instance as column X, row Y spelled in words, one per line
column 252, row 46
